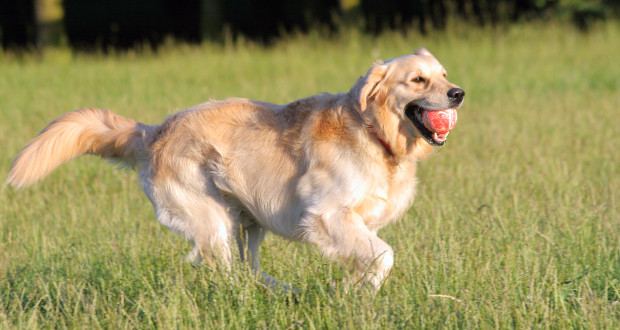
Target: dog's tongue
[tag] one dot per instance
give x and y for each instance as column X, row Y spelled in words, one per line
column 440, row 122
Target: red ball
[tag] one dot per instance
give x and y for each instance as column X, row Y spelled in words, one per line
column 440, row 122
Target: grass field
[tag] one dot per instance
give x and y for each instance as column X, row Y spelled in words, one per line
column 516, row 223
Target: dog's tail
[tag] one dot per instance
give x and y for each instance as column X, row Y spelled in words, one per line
column 84, row 131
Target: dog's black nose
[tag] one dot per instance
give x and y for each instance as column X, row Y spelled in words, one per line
column 456, row 94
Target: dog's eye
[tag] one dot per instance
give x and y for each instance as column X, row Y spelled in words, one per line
column 418, row 80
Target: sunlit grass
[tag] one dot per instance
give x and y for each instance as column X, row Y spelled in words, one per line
column 516, row 222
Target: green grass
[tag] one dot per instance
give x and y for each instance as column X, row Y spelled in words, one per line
column 516, row 223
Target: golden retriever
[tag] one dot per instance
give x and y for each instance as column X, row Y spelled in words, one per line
column 330, row 169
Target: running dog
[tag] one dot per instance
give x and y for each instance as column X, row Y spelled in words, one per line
column 330, row 169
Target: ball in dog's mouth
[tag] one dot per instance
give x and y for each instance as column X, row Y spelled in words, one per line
column 434, row 125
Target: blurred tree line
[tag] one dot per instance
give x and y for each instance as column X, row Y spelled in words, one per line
column 124, row 23
column 434, row 14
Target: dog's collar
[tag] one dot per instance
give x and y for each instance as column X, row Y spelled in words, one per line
column 385, row 145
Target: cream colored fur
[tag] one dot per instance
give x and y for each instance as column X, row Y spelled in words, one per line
column 312, row 170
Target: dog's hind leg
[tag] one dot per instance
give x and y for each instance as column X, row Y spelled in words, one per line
column 212, row 243
column 248, row 241
column 207, row 229
column 212, row 225
column 201, row 216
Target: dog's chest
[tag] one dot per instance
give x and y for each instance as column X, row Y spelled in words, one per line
column 389, row 197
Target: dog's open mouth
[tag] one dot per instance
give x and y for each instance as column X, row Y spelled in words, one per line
column 434, row 125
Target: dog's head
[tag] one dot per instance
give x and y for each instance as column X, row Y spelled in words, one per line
column 411, row 95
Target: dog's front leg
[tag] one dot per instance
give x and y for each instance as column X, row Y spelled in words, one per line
column 346, row 238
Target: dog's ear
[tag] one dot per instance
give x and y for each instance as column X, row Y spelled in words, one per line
column 422, row 51
column 371, row 84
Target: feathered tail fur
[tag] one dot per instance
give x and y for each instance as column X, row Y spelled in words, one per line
column 84, row 131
